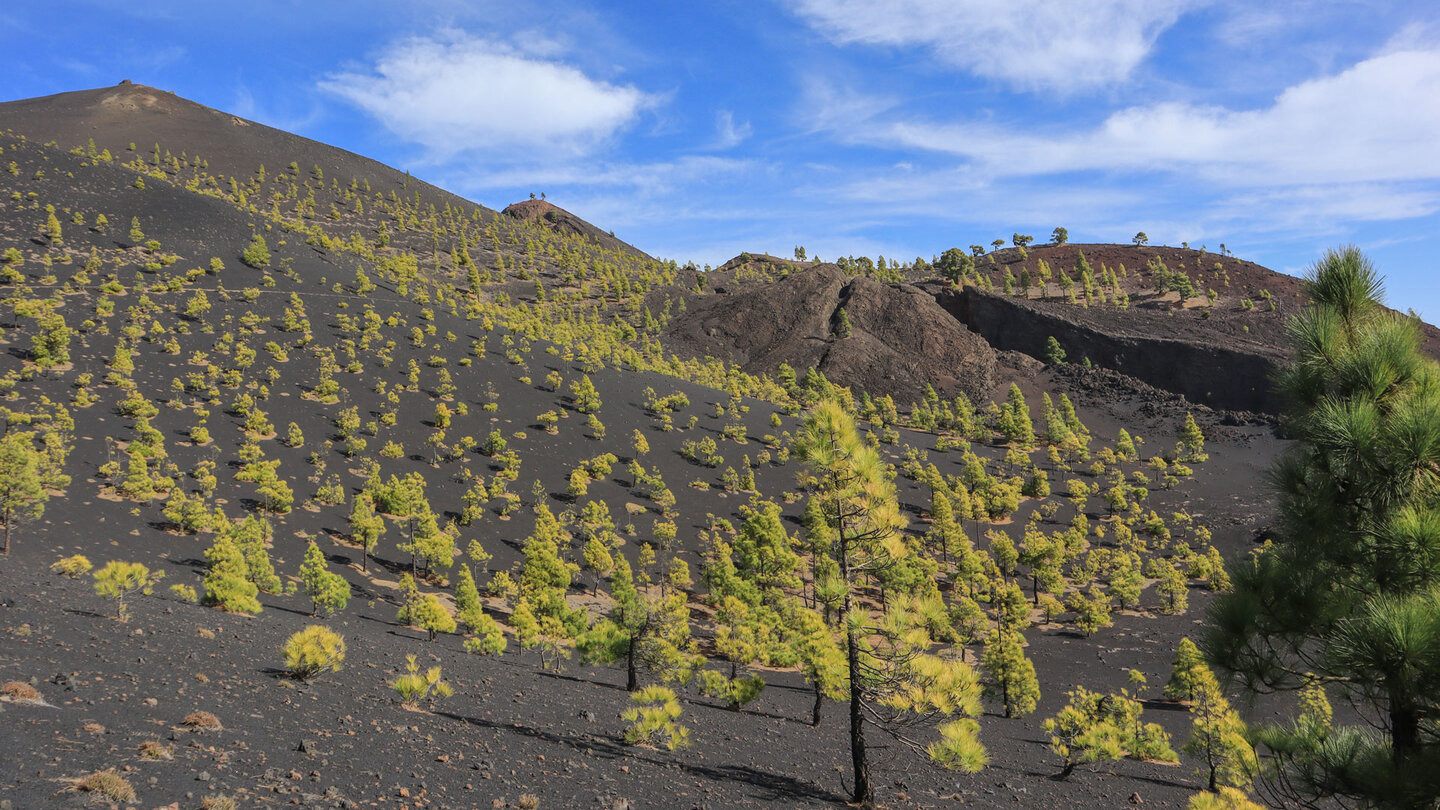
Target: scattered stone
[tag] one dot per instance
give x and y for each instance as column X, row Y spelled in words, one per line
column 203, row 776
column 1135, row 799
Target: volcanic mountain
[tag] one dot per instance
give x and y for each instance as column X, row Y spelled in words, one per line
column 224, row 373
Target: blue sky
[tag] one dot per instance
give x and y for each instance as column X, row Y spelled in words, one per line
column 891, row 127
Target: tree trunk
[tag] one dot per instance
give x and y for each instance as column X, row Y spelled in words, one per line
column 863, row 793
column 1404, row 733
column 6, row 518
column 815, row 709
column 632, row 676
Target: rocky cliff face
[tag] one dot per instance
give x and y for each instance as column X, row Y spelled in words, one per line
column 895, row 338
column 1232, row 375
column 875, row 337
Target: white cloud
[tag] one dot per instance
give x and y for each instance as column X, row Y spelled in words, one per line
column 456, row 93
column 1369, row 123
column 1029, row 43
column 648, row 178
column 728, row 133
column 828, row 106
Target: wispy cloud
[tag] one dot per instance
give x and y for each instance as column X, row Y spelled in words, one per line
column 729, row 134
column 246, row 105
column 1028, row 43
column 455, row 93
column 658, row 177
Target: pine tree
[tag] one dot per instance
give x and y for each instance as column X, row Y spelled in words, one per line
column 1125, row 446
column 50, row 345
column 227, row 583
column 598, row 560
column 1092, row 610
column 22, row 495
column 467, row 600
column 1354, row 569
column 1185, row 672
column 586, row 398
column 257, row 253
column 1191, row 446
column 328, row 591
column 366, row 526
column 52, row 228
column 1217, row 737
column 647, row 631
column 425, row 611
column 116, row 580
column 1009, row 674
column 252, row 536
column 1014, row 423
column 945, row 534
column 1172, row 588
column 1094, row 727
column 887, row 665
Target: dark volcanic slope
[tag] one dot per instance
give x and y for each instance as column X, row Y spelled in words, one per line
column 561, row 221
column 116, row 117
column 874, row 337
column 324, row 369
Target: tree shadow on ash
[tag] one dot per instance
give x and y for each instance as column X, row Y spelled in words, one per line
column 775, row 786
column 1164, row 705
column 577, row 679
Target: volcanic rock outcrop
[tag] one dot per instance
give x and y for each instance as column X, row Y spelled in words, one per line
column 874, row 337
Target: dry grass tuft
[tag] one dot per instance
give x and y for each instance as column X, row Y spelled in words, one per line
column 217, row 802
column 19, row 690
column 528, row 801
column 106, row 783
column 152, row 749
column 204, row 721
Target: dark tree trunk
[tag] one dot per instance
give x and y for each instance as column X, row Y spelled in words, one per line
column 815, row 709
column 863, row 793
column 1404, row 733
column 632, row 676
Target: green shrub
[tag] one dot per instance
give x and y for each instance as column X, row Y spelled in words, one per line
column 653, row 719
column 314, row 650
column 72, row 567
column 257, row 253
column 413, row 686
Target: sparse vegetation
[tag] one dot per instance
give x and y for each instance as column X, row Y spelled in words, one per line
column 314, row 650
column 892, row 551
